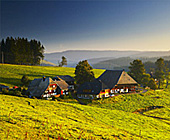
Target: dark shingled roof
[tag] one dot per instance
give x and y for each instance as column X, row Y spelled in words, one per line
column 93, row 87
column 107, row 80
column 116, row 77
column 66, row 78
column 37, row 87
column 3, row 86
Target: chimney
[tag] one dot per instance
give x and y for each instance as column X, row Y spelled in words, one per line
column 44, row 78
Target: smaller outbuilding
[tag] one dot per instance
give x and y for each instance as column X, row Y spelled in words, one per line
column 67, row 78
column 3, row 87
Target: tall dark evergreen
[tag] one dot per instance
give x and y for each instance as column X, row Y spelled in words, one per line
column 160, row 71
column 21, row 51
column 137, row 71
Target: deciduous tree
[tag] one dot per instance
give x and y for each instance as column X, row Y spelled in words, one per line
column 63, row 61
column 25, row 80
column 83, row 72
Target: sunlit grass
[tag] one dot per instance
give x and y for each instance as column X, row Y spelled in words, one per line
column 111, row 118
column 11, row 75
column 50, row 119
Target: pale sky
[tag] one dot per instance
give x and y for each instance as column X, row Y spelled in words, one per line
column 89, row 25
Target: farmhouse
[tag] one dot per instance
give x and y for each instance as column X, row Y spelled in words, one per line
column 110, row 82
column 46, row 87
column 67, row 78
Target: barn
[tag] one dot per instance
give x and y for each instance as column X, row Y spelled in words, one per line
column 108, row 83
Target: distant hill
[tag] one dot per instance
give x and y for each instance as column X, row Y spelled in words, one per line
column 74, row 56
column 152, row 54
column 124, row 62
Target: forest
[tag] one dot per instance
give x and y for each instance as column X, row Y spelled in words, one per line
column 21, row 51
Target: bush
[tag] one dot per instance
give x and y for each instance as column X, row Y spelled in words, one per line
column 70, row 96
column 53, row 98
column 5, row 91
column 17, row 93
column 25, row 80
column 33, row 97
column 12, row 92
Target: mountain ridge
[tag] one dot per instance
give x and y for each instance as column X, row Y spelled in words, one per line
column 95, row 56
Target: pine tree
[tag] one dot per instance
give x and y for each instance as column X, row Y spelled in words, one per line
column 159, row 71
column 137, row 70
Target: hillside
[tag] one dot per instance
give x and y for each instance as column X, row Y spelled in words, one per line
column 112, row 118
column 74, row 56
column 24, row 118
column 124, row 62
column 11, row 75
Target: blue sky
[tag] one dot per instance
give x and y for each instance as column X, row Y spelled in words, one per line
column 89, row 25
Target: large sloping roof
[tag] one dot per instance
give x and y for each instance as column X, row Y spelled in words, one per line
column 37, row 87
column 93, row 87
column 66, row 78
column 113, row 77
column 110, row 77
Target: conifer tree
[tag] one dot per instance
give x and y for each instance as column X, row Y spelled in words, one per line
column 137, row 70
column 159, row 71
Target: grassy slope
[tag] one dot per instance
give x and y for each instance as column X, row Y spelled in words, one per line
column 104, row 119
column 130, row 103
column 11, row 75
column 42, row 119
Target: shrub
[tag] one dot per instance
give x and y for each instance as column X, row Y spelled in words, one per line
column 53, row 98
column 17, row 93
column 33, row 97
column 25, row 80
column 5, row 91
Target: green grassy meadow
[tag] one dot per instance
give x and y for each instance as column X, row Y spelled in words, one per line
column 11, row 75
column 111, row 119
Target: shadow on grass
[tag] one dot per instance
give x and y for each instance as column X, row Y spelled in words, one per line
column 11, row 81
column 39, row 75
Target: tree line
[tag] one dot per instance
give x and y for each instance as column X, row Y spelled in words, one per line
column 158, row 75
column 21, row 51
column 155, row 79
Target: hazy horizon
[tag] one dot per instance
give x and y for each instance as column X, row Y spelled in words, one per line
column 89, row 25
column 106, row 51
